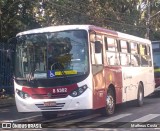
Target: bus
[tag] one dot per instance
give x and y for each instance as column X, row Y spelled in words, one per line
column 156, row 60
column 71, row 68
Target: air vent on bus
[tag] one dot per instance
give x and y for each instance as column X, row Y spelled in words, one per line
column 57, row 106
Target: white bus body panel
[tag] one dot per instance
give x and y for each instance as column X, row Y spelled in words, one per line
column 132, row 76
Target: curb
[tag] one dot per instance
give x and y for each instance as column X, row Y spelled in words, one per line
column 7, row 102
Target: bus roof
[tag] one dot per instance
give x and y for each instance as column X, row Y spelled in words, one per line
column 85, row 27
column 54, row 29
column 133, row 38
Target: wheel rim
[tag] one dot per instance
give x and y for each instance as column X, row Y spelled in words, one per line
column 110, row 103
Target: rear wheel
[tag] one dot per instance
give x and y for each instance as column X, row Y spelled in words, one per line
column 110, row 103
column 140, row 95
column 49, row 114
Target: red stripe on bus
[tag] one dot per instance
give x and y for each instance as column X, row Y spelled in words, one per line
column 42, row 92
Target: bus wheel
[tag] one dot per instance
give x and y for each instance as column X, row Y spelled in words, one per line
column 49, row 114
column 140, row 95
column 110, row 103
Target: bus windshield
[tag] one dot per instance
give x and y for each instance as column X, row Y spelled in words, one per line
column 51, row 55
column 156, row 56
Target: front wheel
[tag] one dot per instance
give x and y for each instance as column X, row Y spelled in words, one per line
column 110, row 103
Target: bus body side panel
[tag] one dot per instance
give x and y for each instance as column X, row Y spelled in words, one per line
column 113, row 76
column 132, row 76
column 99, row 90
column 150, row 82
column 157, row 77
column 102, row 80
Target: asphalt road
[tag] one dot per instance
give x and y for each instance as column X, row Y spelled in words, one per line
column 127, row 115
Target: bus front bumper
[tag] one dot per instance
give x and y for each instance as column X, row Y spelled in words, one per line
column 82, row 102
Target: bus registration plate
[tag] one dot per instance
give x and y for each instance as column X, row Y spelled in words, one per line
column 50, row 103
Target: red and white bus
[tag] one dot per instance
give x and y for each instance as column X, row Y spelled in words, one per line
column 156, row 60
column 80, row 67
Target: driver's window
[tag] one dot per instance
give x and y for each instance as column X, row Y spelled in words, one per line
column 96, row 57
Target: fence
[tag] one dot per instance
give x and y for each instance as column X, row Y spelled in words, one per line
column 6, row 68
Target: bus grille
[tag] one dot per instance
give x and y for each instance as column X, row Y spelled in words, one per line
column 50, row 96
column 57, row 106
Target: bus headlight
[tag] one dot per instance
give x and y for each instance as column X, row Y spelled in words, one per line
column 78, row 91
column 22, row 94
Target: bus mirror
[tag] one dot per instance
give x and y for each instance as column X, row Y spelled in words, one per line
column 98, row 47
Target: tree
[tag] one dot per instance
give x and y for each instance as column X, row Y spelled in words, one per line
column 17, row 15
column 155, row 21
column 121, row 15
column 148, row 9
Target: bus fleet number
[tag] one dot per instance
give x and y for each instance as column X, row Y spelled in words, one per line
column 60, row 90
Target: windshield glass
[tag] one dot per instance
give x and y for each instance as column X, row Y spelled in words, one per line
column 48, row 55
column 156, row 59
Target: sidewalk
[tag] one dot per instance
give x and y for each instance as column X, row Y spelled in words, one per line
column 4, row 102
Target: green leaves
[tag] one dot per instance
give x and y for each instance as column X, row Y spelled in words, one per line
column 121, row 15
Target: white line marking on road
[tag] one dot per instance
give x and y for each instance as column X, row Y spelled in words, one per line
column 142, row 119
column 146, row 118
column 110, row 119
column 113, row 118
column 3, row 121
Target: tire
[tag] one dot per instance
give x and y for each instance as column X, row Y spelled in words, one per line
column 49, row 114
column 110, row 104
column 140, row 96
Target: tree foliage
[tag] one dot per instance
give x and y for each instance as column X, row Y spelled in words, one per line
column 17, row 15
column 121, row 15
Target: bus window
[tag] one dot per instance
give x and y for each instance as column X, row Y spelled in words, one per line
column 156, row 57
column 112, row 51
column 124, row 55
column 124, row 46
column 135, row 60
column 149, row 55
column 156, row 60
column 96, row 57
column 143, row 54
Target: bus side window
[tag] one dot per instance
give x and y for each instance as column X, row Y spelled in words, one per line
column 112, row 51
column 135, row 60
column 143, row 54
column 96, row 57
column 117, row 52
column 124, row 55
column 149, row 55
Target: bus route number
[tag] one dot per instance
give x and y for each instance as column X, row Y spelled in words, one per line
column 60, row 90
